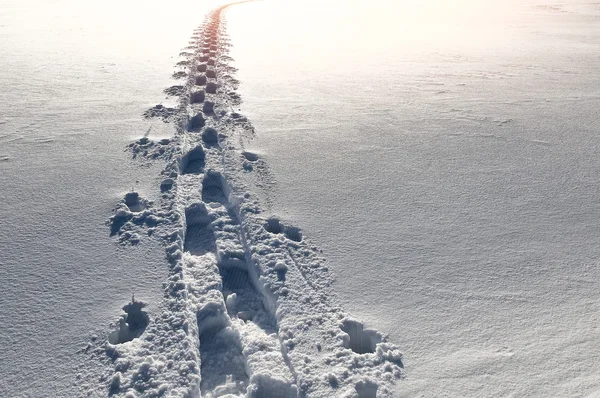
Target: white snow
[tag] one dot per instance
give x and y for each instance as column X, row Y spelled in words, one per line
column 160, row 237
column 75, row 78
column 444, row 156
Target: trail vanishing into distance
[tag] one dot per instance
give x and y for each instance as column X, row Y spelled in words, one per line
column 248, row 308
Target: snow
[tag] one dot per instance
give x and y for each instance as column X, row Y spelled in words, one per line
column 72, row 92
column 447, row 166
column 160, row 237
column 248, row 303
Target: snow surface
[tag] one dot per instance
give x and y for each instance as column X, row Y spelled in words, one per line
column 445, row 157
column 74, row 79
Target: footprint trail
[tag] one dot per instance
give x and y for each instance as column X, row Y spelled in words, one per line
column 248, row 308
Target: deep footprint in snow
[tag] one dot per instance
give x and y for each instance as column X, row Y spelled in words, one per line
column 251, row 157
column 360, row 340
column 134, row 202
column 222, row 363
column 131, row 206
column 275, row 226
column 194, row 161
column 197, row 97
column 213, row 188
column 208, row 107
column 167, row 184
column 200, row 80
column 199, row 237
column 210, row 137
column 243, row 300
column 211, row 88
column 132, row 324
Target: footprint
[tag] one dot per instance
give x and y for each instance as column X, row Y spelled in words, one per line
column 199, row 237
column 360, row 340
column 210, row 137
column 167, row 184
column 200, row 80
column 208, row 107
column 252, row 157
column 134, row 202
column 222, row 363
column 132, row 324
column 275, row 226
column 197, row 97
column 197, row 122
column 211, row 88
column 193, row 162
column 213, row 188
column 245, row 302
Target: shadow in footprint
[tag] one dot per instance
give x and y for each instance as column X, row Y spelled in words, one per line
column 246, row 302
column 200, row 80
column 197, row 97
column 213, row 188
column 196, row 122
column 251, row 157
column 211, row 88
column 222, row 363
column 194, row 161
column 132, row 324
column 118, row 221
column 210, row 137
column 275, row 226
column 199, row 237
column 361, row 340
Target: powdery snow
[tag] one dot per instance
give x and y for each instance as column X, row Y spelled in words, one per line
column 444, row 155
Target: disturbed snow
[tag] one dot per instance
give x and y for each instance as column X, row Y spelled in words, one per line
column 249, row 308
